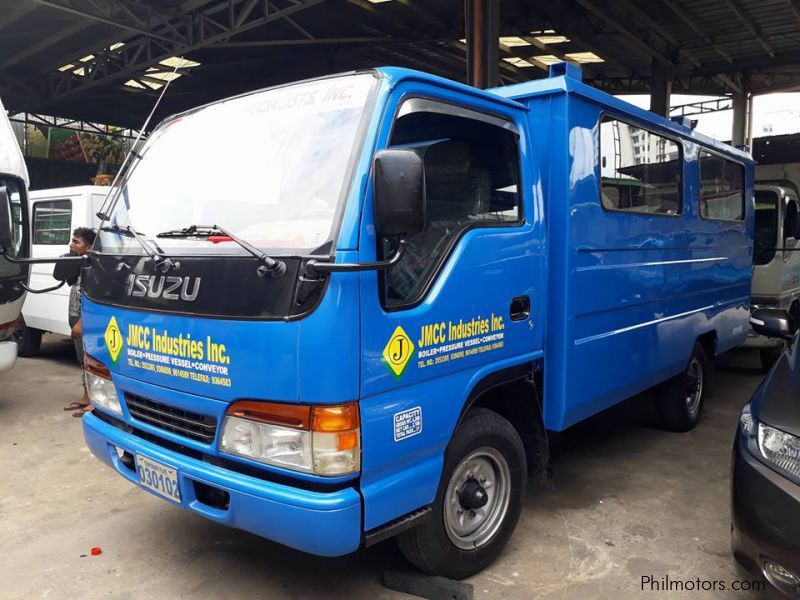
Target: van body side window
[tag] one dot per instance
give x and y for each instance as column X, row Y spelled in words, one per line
column 721, row 188
column 640, row 171
column 52, row 221
column 471, row 180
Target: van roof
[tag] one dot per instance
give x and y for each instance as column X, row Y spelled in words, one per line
column 75, row 190
column 566, row 79
column 11, row 160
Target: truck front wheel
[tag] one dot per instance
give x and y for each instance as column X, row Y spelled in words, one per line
column 478, row 502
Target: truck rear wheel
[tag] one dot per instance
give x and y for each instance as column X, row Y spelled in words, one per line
column 28, row 340
column 680, row 400
column 478, row 502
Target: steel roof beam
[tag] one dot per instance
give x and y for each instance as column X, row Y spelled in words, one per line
column 108, row 18
column 314, row 42
column 146, row 51
column 691, row 22
column 795, row 8
column 752, row 63
column 632, row 39
column 737, row 8
column 44, row 43
column 723, row 80
column 564, row 24
column 15, row 15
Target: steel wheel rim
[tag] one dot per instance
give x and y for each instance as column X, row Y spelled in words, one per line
column 694, row 386
column 471, row 528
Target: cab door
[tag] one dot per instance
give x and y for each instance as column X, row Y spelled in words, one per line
column 462, row 308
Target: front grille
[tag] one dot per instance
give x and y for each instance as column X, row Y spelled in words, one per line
column 176, row 420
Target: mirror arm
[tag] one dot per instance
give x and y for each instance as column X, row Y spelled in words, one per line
column 314, row 266
column 40, row 261
column 45, row 290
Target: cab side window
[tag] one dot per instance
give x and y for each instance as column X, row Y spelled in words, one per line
column 640, row 171
column 721, row 188
column 471, row 180
column 51, row 222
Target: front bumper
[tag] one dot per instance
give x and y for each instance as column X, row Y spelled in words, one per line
column 322, row 523
column 765, row 515
column 8, row 355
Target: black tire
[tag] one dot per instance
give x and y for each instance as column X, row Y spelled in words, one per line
column 676, row 411
column 28, row 340
column 429, row 546
column 769, row 356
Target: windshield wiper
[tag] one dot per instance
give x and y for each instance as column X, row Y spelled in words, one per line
column 274, row 267
column 161, row 260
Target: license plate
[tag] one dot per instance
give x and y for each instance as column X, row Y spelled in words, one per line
column 160, row 478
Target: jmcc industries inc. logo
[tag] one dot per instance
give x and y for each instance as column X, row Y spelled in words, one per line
column 398, row 351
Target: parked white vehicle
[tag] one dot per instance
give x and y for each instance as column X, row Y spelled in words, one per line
column 776, row 258
column 13, row 190
column 55, row 214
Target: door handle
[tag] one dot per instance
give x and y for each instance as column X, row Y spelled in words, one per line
column 520, row 308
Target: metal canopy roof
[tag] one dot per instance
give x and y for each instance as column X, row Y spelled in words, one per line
column 709, row 46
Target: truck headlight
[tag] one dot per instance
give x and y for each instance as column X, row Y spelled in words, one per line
column 780, row 449
column 324, row 440
column 99, row 385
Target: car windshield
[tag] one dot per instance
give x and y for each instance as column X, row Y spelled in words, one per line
column 270, row 167
column 766, row 227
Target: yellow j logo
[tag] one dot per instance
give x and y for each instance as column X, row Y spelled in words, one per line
column 398, row 352
column 113, row 339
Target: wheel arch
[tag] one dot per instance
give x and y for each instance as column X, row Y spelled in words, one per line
column 515, row 394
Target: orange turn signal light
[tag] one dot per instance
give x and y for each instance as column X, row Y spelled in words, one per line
column 95, row 367
column 343, row 417
column 327, row 419
column 296, row 416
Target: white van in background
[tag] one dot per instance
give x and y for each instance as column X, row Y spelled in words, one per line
column 54, row 214
column 776, row 259
column 13, row 190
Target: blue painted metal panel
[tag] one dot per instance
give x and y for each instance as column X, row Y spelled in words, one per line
column 629, row 293
column 487, row 268
column 328, row 524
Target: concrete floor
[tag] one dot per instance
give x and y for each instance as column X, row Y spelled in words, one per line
column 627, row 500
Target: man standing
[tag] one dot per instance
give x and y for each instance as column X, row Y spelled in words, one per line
column 82, row 240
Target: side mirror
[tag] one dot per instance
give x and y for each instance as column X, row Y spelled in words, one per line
column 773, row 322
column 399, row 192
column 67, row 270
column 6, row 237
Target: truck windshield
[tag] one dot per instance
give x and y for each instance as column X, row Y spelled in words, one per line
column 766, row 227
column 271, row 166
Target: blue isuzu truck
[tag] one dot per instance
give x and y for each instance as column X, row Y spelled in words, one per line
column 354, row 308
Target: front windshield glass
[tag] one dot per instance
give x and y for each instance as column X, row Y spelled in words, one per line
column 270, row 167
column 766, row 227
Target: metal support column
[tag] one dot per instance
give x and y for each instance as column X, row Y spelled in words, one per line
column 483, row 53
column 740, row 121
column 660, row 88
